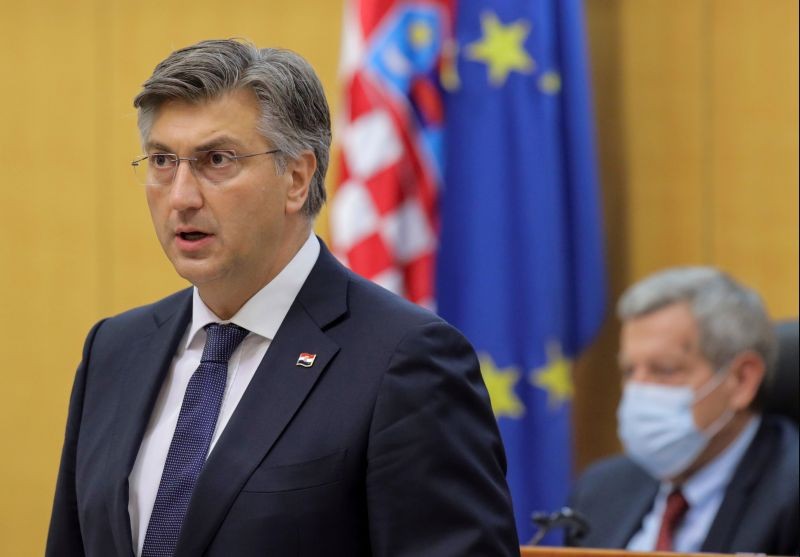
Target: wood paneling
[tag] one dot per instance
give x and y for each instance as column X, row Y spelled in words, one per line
column 754, row 163
column 49, row 256
column 662, row 87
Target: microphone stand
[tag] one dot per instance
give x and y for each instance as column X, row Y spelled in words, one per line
column 576, row 525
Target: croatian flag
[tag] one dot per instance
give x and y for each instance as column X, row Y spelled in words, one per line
column 384, row 215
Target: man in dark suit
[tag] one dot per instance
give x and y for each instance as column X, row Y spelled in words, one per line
column 704, row 469
column 282, row 406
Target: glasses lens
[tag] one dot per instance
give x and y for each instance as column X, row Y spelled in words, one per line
column 157, row 169
column 217, row 166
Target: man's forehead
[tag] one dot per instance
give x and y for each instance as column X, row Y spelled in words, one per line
column 672, row 328
column 227, row 121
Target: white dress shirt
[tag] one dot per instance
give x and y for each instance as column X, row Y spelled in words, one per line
column 262, row 315
column 703, row 491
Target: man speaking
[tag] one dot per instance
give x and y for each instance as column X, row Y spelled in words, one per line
column 282, row 406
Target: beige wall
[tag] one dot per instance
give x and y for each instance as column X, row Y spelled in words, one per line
column 697, row 117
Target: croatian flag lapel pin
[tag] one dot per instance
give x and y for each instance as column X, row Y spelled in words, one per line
column 306, row 360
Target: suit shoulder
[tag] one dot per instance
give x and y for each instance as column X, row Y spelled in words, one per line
column 790, row 438
column 382, row 322
column 609, row 474
column 787, row 448
column 617, row 465
column 147, row 315
column 368, row 300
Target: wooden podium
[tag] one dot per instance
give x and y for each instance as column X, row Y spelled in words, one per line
column 538, row 551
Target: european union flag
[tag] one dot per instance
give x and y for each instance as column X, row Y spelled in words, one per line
column 520, row 268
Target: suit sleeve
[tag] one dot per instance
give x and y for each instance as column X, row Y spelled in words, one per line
column 64, row 537
column 436, row 466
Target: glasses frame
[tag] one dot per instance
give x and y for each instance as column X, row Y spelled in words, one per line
column 137, row 163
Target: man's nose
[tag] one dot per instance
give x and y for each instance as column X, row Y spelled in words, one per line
column 186, row 191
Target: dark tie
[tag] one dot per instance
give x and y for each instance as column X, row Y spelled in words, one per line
column 189, row 447
column 673, row 514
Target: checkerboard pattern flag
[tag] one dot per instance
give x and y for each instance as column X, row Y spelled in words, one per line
column 384, row 214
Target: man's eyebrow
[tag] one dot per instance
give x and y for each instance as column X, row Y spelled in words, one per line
column 156, row 146
column 221, row 142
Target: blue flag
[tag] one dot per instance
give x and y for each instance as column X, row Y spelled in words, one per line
column 520, row 265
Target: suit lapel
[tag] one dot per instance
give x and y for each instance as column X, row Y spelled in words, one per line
column 638, row 501
column 274, row 395
column 632, row 520
column 728, row 521
column 143, row 373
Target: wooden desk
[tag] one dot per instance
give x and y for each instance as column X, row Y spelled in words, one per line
column 529, row 551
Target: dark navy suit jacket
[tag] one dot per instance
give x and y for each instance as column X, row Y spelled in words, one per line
column 385, row 446
column 759, row 513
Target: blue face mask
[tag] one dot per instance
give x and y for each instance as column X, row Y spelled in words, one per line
column 657, row 429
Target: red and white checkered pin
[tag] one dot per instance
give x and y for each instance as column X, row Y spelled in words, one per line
column 306, row 360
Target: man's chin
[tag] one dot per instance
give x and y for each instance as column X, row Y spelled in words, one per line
column 198, row 272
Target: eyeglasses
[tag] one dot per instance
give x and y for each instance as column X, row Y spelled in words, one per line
column 215, row 167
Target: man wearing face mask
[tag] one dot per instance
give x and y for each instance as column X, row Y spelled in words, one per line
column 704, row 469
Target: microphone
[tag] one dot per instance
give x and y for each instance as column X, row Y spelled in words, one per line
column 577, row 526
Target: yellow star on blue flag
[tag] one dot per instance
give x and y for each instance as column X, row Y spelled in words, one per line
column 502, row 48
column 555, row 377
column 500, row 384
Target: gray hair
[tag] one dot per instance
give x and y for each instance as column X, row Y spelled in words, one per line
column 731, row 318
column 294, row 112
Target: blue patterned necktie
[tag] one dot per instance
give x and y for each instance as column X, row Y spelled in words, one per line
column 189, row 447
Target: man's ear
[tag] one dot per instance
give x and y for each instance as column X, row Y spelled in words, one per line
column 747, row 371
column 301, row 171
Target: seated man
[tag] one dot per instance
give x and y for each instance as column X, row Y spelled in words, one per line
column 704, row 470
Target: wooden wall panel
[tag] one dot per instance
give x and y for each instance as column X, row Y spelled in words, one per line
column 754, row 161
column 595, row 375
column 662, row 87
column 49, row 253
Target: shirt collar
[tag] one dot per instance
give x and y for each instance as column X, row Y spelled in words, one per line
column 264, row 312
column 716, row 475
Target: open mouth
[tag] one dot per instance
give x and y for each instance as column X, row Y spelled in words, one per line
column 192, row 236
